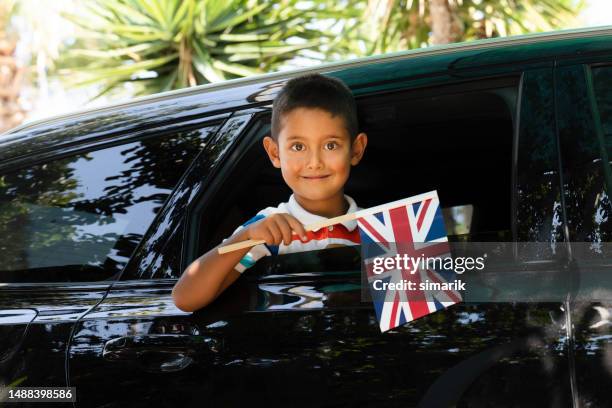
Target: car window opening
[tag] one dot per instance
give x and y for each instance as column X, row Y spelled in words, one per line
column 414, row 138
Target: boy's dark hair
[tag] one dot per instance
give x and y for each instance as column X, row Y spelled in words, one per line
column 315, row 91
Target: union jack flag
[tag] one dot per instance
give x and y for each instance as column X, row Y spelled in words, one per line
column 415, row 227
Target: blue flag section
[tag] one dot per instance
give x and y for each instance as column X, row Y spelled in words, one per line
column 406, row 258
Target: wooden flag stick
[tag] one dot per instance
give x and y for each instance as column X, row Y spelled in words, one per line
column 336, row 220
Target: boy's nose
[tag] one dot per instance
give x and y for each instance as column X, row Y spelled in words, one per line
column 314, row 161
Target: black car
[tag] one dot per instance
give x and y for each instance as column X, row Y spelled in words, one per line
column 101, row 211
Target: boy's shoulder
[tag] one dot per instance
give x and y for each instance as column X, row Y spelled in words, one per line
column 281, row 208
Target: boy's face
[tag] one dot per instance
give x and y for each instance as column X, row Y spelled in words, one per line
column 314, row 153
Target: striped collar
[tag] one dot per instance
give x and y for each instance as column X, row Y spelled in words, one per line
column 307, row 218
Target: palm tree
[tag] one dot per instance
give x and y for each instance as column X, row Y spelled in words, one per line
column 167, row 44
column 403, row 24
column 11, row 74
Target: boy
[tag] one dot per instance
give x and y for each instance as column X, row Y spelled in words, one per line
column 314, row 142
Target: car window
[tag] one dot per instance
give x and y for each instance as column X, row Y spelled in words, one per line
column 538, row 187
column 585, row 130
column 602, row 86
column 79, row 218
column 449, row 139
column 458, row 141
column 601, row 111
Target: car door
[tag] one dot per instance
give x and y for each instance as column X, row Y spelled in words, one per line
column 68, row 225
column 122, row 351
column 297, row 332
column 584, row 101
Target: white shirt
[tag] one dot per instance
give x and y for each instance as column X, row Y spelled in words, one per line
column 345, row 233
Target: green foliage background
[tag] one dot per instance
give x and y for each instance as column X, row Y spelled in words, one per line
column 160, row 45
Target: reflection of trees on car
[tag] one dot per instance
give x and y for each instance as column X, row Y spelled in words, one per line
column 72, row 216
column 16, row 210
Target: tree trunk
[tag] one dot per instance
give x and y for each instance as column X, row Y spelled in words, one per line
column 11, row 113
column 446, row 26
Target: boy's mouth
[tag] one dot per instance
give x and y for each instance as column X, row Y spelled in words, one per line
column 315, row 177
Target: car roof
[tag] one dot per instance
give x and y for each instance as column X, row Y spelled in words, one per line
column 224, row 97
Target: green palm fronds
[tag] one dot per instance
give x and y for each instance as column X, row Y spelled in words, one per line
column 161, row 45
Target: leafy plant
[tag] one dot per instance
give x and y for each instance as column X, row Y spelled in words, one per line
column 167, row 44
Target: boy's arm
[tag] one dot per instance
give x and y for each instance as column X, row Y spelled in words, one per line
column 209, row 275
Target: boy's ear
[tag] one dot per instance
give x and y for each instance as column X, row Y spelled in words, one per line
column 272, row 149
column 358, row 148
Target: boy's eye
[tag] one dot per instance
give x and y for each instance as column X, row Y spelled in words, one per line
column 297, row 147
column 331, row 145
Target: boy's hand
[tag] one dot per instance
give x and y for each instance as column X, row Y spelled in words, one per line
column 276, row 228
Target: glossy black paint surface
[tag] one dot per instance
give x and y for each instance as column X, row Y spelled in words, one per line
column 306, row 339
column 585, row 148
column 35, row 326
column 302, row 341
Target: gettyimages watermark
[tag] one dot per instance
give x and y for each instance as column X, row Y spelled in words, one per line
column 409, row 266
column 413, row 263
column 487, row 272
